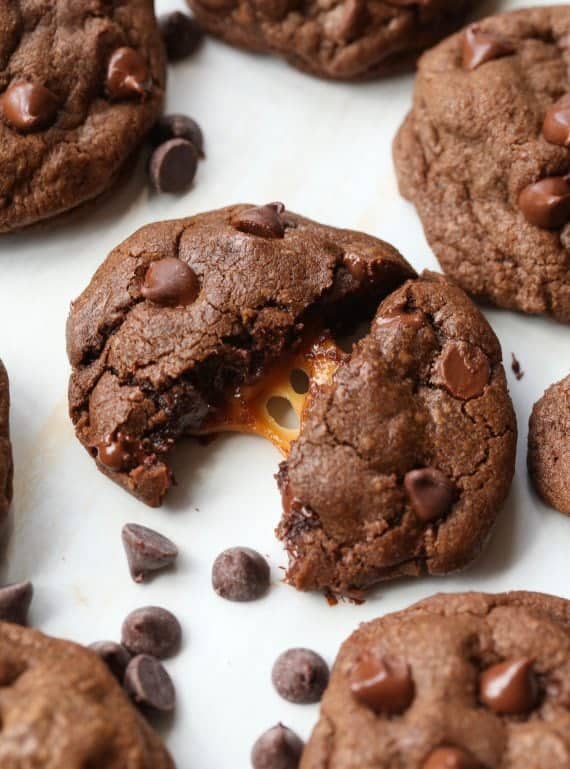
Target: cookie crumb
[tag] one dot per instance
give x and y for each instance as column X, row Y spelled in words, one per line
column 516, row 367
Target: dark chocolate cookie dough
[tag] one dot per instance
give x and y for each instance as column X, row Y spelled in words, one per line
column 466, row 681
column 341, row 39
column 485, row 157
column 81, row 83
column 6, row 470
column 549, row 446
column 62, row 708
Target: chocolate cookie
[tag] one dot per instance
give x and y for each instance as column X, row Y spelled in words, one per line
column 6, row 469
column 80, row 86
column 342, row 39
column 549, row 446
column 485, row 157
column 466, row 681
column 62, row 707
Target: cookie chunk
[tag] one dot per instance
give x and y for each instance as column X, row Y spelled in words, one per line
column 485, row 157
column 80, row 86
column 549, row 446
column 61, row 707
column 342, row 39
column 405, row 458
column 6, row 469
column 470, row 681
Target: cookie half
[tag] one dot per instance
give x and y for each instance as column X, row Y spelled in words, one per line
column 549, row 446
column 471, row 681
column 6, row 467
column 484, row 155
column 81, row 84
column 342, row 39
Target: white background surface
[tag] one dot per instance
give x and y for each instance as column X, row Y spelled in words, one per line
column 324, row 149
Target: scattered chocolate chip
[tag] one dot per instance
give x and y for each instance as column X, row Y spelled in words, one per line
column 178, row 127
column 148, row 683
column 480, row 47
column 263, row 221
column 151, row 630
column 430, row 492
column 510, row 687
column 464, row 370
column 115, row 656
column 147, row 550
column 173, row 165
column 240, row 574
column 277, row 748
column 451, row 758
column 127, row 75
column 181, row 34
column 556, row 128
column 546, row 204
column 383, row 684
column 171, row 282
column 300, row 676
column 28, row 106
column 116, row 451
column 15, row 600
column 516, row 367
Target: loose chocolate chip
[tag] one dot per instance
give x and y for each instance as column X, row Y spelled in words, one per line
column 464, row 370
column 556, row 128
column 147, row 550
column 300, row 676
column 127, row 75
column 277, row 748
column 148, row 683
column 28, row 106
column 178, row 126
column 480, row 47
column 451, row 758
column 116, row 451
column 240, row 574
column 383, row 684
column 430, row 492
column 115, row 656
column 170, row 282
column 151, row 630
column 509, row 688
column 546, row 204
column 263, row 221
column 15, row 600
column 173, row 165
column 181, row 34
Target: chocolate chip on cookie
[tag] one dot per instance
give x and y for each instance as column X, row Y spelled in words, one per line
column 450, row 758
column 556, row 127
column 277, row 748
column 28, row 106
column 546, row 203
column 509, row 687
column 127, row 75
column 151, row 630
column 148, row 684
column 300, row 676
column 430, row 491
column 480, row 47
column 240, row 574
column 170, row 282
column 263, row 221
column 147, row 551
column 6, row 466
column 383, row 684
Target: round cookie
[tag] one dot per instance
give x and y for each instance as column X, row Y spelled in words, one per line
column 405, row 459
column 81, row 84
column 61, row 707
column 549, row 446
column 342, row 39
column 6, row 467
column 485, row 155
column 470, row 681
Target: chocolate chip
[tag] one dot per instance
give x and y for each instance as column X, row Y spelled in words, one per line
column 277, row 748
column 240, row 574
column 546, row 204
column 115, row 656
column 148, row 683
column 28, row 106
column 383, row 684
column 178, row 126
column 464, row 370
column 15, row 600
column 127, row 75
column 151, row 630
column 116, row 452
column 181, row 34
column 480, row 47
column 516, row 367
column 451, row 758
column 556, row 128
column 173, row 165
column 300, row 676
column 509, row 688
column 171, row 282
column 263, row 221
column 147, row 550
column 430, row 492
